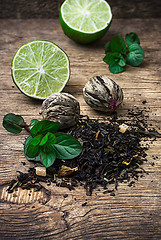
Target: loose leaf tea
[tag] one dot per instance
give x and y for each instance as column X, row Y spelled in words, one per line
column 113, row 152
column 109, row 156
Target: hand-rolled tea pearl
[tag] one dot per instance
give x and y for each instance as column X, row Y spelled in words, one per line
column 63, row 108
column 103, row 94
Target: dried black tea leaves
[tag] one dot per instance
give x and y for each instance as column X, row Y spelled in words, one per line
column 109, row 155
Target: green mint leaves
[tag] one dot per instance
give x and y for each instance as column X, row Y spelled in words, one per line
column 13, row 123
column 66, row 146
column 135, row 55
column 117, row 44
column 44, row 144
column 132, row 38
column 44, row 126
column 119, row 53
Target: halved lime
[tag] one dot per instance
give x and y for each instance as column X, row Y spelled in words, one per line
column 40, row 68
column 85, row 21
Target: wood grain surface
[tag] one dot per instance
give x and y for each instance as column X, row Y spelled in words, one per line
column 50, row 9
column 134, row 212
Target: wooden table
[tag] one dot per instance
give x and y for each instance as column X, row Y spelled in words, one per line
column 133, row 213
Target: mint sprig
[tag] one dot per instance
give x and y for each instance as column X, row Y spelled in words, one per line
column 45, row 143
column 119, row 53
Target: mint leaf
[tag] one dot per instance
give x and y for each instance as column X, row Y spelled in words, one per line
column 112, row 58
column 37, row 158
column 132, row 38
column 13, row 123
column 48, row 139
column 67, row 147
column 122, row 62
column 33, row 148
column 107, row 48
column 117, row 44
column 135, row 55
column 116, row 68
column 44, row 127
column 33, row 122
column 48, row 157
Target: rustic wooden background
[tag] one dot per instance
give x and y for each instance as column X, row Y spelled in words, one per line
column 133, row 213
column 25, row 9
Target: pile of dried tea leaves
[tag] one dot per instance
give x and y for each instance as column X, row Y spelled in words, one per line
column 109, row 156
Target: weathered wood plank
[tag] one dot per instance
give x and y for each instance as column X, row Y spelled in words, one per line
column 133, row 213
column 29, row 9
column 50, row 9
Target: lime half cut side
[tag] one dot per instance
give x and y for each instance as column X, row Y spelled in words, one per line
column 85, row 21
column 40, row 68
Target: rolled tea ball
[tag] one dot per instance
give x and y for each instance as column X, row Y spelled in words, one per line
column 63, row 108
column 103, row 94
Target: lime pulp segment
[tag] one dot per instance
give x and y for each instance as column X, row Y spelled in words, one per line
column 40, row 68
column 88, row 16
